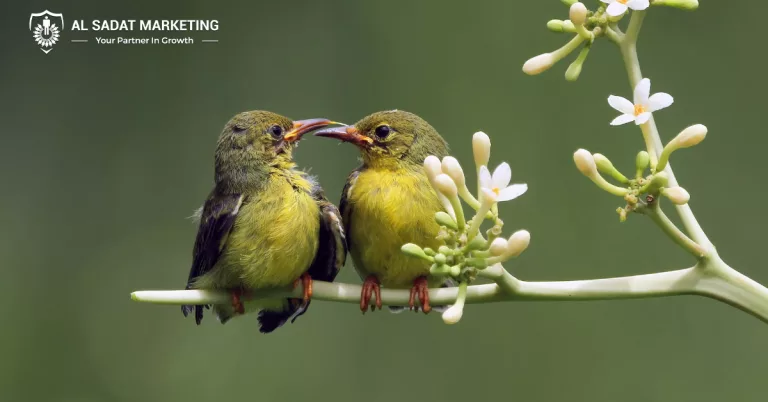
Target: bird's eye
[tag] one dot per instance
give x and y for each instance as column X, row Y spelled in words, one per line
column 238, row 129
column 383, row 131
column 276, row 131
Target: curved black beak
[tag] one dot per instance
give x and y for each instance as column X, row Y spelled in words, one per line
column 346, row 134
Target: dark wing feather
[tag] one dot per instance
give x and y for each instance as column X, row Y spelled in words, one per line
column 217, row 219
column 345, row 206
column 332, row 247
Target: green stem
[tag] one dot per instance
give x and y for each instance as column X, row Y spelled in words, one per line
column 710, row 278
column 657, row 215
column 628, row 47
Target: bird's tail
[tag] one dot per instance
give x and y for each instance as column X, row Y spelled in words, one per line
column 270, row 320
column 448, row 283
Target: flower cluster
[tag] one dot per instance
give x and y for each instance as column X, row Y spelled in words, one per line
column 589, row 25
column 466, row 252
column 641, row 190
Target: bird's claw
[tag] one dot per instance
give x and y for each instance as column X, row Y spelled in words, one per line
column 370, row 286
column 237, row 302
column 306, row 283
column 421, row 289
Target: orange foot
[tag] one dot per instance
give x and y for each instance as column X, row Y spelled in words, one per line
column 371, row 285
column 420, row 288
column 306, row 283
column 237, row 302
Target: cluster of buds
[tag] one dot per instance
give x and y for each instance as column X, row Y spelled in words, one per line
column 588, row 25
column 642, row 189
column 465, row 251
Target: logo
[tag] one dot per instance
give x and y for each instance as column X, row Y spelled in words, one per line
column 45, row 30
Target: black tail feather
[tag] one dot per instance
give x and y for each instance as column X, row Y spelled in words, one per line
column 272, row 320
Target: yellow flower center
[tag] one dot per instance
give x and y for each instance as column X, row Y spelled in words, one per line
column 622, row 1
column 496, row 190
column 639, row 109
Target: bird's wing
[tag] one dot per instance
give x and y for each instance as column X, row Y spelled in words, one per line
column 218, row 217
column 332, row 247
column 345, row 206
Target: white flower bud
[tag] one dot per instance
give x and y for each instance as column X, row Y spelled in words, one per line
column 690, row 136
column 481, row 148
column 578, row 13
column 432, row 166
column 518, row 242
column 445, row 184
column 585, row 162
column 539, row 64
column 499, row 246
column 453, row 314
column 452, row 168
column 678, row 195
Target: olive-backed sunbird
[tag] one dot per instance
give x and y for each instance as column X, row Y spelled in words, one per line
column 388, row 202
column 265, row 224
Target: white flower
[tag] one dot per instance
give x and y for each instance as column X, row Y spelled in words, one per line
column 643, row 106
column 619, row 7
column 498, row 184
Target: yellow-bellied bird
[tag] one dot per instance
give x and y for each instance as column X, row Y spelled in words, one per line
column 265, row 224
column 388, row 202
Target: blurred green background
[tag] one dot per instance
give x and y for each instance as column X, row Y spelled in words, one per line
column 107, row 149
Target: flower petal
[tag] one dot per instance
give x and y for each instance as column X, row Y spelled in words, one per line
column 659, row 101
column 623, row 119
column 616, row 9
column 638, row 5
column 484, row 177
column 512, row 192
column 642, row 118
column 502, row 175
column 642, row 90
column 488, row 196
column 623, row 105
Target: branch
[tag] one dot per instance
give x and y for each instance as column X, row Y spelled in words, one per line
column 709, row 278
column 628, row 47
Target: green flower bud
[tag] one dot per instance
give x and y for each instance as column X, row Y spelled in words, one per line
column 445, row 250
column 443, row 219
column 455, row 270
column 429, row 251
column 574, row 70
column 604, row 165
column 657, row 182
column 641, row 162
column 416, row 251
column 477, row 243
column 555, row 26
column 440, row 258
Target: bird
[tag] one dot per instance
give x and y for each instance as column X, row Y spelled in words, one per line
column 265, row 224
column 388, row 202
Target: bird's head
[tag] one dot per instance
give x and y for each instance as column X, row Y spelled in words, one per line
column 390, row 138
column 257, row 140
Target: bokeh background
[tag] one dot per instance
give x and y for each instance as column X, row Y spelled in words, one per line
column 106, row 150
